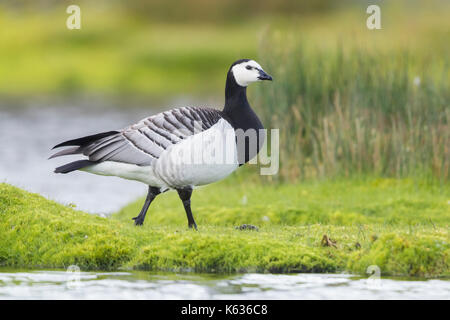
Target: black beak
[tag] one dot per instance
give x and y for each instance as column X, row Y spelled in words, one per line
column 264, row 76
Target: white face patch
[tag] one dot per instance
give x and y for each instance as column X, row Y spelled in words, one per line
column 246, row 72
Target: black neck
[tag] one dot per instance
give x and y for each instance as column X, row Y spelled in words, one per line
column 237, row 108
column 241, row 116
column 235, row 96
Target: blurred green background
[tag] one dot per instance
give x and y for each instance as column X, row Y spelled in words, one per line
column 349, row 100
column 156, row 47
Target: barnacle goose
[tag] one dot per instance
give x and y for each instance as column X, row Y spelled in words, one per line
column 159, row 150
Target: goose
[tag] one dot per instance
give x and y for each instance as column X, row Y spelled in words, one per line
column 156, row 150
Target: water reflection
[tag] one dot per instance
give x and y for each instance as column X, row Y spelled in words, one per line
column 145, row 285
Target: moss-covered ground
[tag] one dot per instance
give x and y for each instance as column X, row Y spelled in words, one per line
column 402, row 226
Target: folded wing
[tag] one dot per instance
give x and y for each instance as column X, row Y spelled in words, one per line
column 145, row 141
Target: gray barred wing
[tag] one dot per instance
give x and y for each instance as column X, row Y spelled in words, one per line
column 145, row 141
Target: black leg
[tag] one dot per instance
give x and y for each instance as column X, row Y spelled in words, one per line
column 185, row 196
column 152, row 193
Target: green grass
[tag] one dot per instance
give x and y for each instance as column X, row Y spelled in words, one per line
column 399, row 225
column 365, row 105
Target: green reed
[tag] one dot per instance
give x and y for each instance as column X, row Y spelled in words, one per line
column 345, row 111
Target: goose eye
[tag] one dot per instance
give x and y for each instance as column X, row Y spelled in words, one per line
column 248, row 68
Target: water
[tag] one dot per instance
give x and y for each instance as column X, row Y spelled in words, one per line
column 28, row 134
column 145, row 285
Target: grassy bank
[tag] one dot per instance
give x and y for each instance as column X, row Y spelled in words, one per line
column 399, row 225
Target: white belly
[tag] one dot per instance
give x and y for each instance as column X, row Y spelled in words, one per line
column 127, row 171
column 200, row 159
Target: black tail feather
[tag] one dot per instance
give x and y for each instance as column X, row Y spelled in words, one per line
column 85, row 140
column 72, row 166
column 67, row 151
